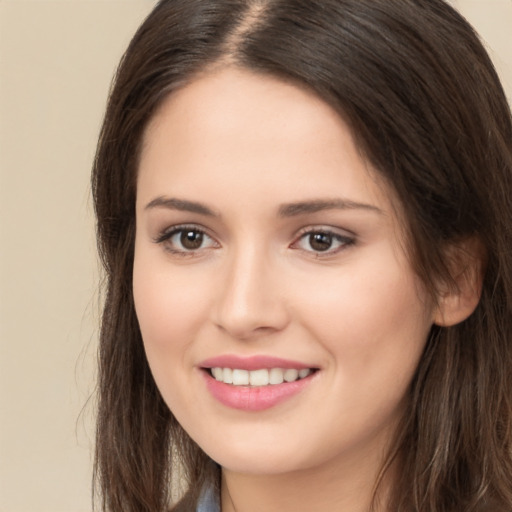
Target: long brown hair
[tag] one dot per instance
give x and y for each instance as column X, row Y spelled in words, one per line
column 427, row 110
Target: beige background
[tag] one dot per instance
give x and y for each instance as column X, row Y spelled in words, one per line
column 56, row 62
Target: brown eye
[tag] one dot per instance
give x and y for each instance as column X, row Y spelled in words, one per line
column 320, row 241
column 191, row 240
column 186, row 240
column 326, row 242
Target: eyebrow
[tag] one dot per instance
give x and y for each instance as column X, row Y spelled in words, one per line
column 285, row 210
column 183, row 205
column 317, row 205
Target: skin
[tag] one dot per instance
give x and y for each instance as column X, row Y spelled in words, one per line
column 244, row 145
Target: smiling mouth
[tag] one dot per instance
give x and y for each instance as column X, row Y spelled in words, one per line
column 258, row 378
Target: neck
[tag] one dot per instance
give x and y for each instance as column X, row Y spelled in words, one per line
column 342, row 485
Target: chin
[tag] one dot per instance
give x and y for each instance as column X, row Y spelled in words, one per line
column 270, row 458
column 257, row 465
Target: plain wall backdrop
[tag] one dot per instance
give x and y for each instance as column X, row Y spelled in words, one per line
column 57, row 58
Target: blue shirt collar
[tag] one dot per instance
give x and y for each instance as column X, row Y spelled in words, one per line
column 208, row 501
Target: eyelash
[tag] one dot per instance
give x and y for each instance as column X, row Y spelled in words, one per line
column 165, row 238
column 344, row 241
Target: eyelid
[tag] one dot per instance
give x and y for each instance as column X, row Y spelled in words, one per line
column 166, row 234
column 347, row 238
column 168, row 231
column 344, row 238
column 324, row 228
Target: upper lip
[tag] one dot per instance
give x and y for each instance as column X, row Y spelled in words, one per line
column 256, row 362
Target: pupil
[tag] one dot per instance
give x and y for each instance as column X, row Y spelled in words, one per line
column 320, row 241
column 191, row 239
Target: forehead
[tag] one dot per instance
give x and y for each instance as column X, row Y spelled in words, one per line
column 255, row 132
column 243, row 100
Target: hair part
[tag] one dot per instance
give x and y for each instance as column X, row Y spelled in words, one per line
column 426, row 108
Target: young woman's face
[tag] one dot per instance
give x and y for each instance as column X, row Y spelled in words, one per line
column 266, row 252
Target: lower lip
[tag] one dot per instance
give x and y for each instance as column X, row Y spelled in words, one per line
column 256, row 398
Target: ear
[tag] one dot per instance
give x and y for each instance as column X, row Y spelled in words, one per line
column 457, row 300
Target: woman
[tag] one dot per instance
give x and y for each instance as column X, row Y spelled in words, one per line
column 304, row 217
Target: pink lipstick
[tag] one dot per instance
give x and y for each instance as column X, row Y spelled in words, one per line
column 255, row 383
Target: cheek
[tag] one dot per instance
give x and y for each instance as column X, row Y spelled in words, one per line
column 373, row 325
column 169, row 309
column 373, row 320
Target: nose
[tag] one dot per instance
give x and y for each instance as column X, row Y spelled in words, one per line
column 250, row 301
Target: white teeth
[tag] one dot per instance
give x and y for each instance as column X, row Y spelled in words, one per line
column 228, row 375
column 291, row 375
column 240, row 377
column 304, row 373
column 261, row 377
column 275, row 376
column 258, row 378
